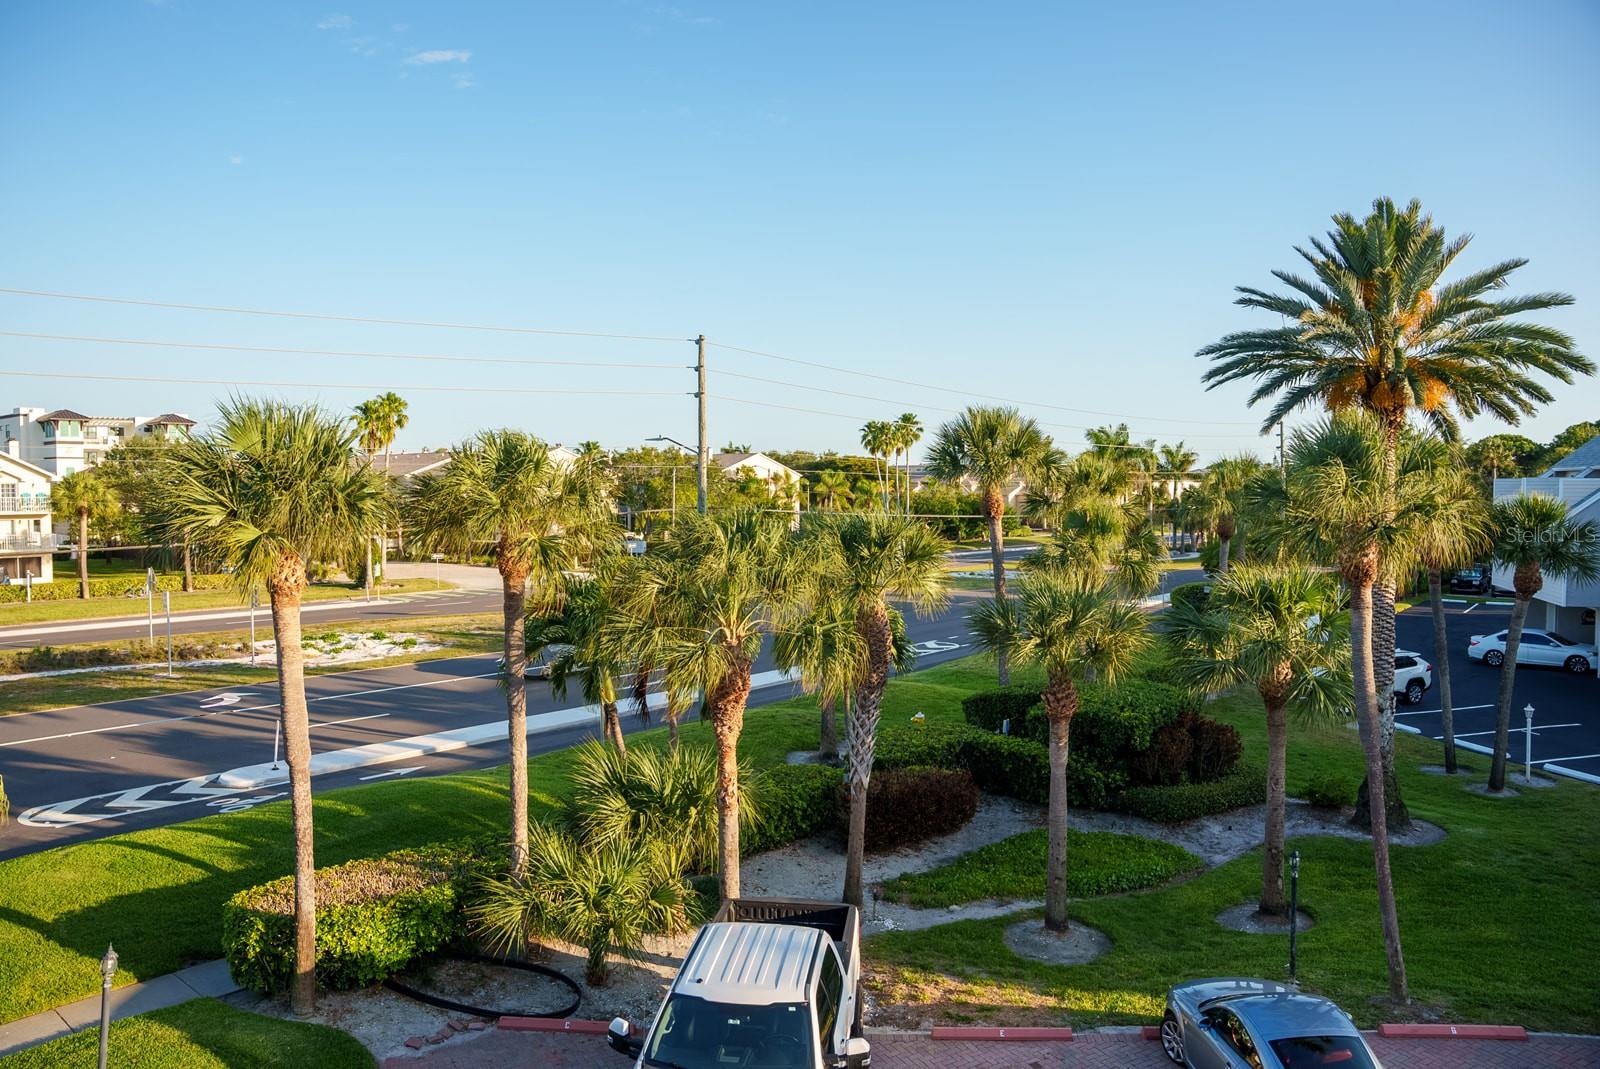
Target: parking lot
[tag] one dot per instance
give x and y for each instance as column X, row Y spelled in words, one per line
column 1566, row 727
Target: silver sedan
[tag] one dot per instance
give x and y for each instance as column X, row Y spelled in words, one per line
column 1235, row 1023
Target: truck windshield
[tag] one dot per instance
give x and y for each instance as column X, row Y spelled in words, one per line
column 695, row 1034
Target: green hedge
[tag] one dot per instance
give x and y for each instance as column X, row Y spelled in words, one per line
column 1186, row 801
column 794, row 801
column 1194, row 594
column 910, row 805
column 374, row 917
column 990, row 709
column 66, row 589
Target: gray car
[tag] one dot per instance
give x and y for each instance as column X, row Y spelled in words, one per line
column 1233, row 1023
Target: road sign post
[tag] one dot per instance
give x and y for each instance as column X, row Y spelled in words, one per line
column 150, row 602
column 166, row 605
column 277, row 733
column 255, row 601
column 436, row 558
column 1527, row 746
column 27, row 591
column 108, row 972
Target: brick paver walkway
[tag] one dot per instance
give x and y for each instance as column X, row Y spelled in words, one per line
column 525, row 1050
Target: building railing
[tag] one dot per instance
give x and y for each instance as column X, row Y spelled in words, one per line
column 34, row 540
column 13, row 503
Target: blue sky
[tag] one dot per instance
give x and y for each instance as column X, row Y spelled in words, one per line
column 1047, row 202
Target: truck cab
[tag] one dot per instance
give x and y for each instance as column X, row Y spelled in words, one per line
column 768, row 984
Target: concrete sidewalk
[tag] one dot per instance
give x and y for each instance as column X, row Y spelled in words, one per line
column 210, row 979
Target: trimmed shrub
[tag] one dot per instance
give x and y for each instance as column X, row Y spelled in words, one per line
column 908, row 805
column 374, row 917
column 66, row 589
column 1186, row 801
column 1330, row 791
column 1166, row 762
column 990, row 709
column 1195, row 594
column 1217, row 748
column 796, row 801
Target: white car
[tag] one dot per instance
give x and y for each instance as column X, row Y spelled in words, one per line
column 1413, row 676
column 1537, row 647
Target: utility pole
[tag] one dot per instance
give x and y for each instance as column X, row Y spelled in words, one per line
column 1280, row 450
column 703, row 456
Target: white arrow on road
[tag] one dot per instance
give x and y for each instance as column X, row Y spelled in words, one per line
column 219, row 701
column 392, row 772
column 934, row 645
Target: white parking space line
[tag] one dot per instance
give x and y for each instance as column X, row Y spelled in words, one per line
column 348, row 720
column 1578, row 757
column 1469, row 608
column 1453, row 709
column 1519, row 731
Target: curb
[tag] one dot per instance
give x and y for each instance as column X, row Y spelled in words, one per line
column 1453, row 1031
column 1002, row 1034
column 554, row 1024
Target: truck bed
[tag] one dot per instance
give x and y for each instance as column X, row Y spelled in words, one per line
column 838, row 920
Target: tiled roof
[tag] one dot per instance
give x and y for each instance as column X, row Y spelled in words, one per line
column 401, row 465
column 172, row 419
column 61, row 413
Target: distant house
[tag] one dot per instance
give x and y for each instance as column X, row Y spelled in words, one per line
column 784, row 480
column 407, row 465
column 25, row 538
column 1575, row 479
column 63, row 441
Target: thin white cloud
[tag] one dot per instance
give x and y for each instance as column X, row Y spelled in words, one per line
column 439, row 55
column 235, row 158
column 335, row 22
column 463, row 81
column 678, row 14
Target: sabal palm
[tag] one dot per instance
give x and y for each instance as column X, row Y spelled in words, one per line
column 1535, row 536
column 877, row 438
column 579, row 626
column 833, row 486
column 1217, row 504
column 1062, row 483
column 697, row 611
column 540, row 518
column 1102, row 537
column 992, row 447
column 1177, row 463
column 82, row 498
column 1076, row 628
column 1253, row 630
column 865, row 561
column 273, row 487
column 1498, row 455
column 908, row 429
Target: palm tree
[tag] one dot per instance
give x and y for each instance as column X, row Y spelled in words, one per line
column 833, row 486
column 1216, row 505
column 1105, row 537
column 1062, row 483
column 909, row 430
column 993, row 447
column 877, row 438
column 1454, row 531
column 1535, row 536
column 1253, row 630
column 1177, row 464
column 1076, row 627
column 865, row 561
column 377, row 422
column 502, row 489
column 1496, row 453
column 82, row 498
column 273, row 487
column 697, row 611
column 579, row 626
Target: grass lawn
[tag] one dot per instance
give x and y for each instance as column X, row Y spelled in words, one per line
column 43, row 612
column 1477, row 947
column 459, row 634
column 1101, row 863
column 202, row 1034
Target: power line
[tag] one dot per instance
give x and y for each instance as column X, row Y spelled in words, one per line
column 335, row 385
column 971, row 393
column 334, row 317
column 225, row 347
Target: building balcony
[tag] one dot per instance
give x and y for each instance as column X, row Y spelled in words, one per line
column 29, row 542
column 12, row 504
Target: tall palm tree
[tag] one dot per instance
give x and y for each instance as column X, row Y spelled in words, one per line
column 1253, row 630
column 1496, row 454
column 1453, row 532
column 833, row 486
column 909, row 430
column 1177, row 464
column 993, row 447
column 865, row 561
column 1062, row 483
column 697, row 611
column 1077, row 627
column 1217, row 503
column 579, row 627
column 377, row 422
column 272, row 487
column 82, row 498
column 1104, row 537
column 1535, row 536
column 877, row 438
column 503, row 490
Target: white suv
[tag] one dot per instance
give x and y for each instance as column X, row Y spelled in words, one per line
column 1413, row 676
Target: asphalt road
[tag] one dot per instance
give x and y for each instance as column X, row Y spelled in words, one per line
column 1566, row 722
column 85, row 772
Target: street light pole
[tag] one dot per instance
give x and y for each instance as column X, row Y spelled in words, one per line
column 255, row 600
column 1527, row 745
column 108, row 972
column 1294, row 910
column 166, row 605
column 703, row 455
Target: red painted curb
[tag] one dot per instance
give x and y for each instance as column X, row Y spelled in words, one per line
column 1452, row 1031
column 1151, row 1031
column 554, row 1024
column 1011, row 1034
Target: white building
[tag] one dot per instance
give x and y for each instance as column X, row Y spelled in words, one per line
column 63, row 441
column 25, row 539
column 1575, row 479
column 784, row 480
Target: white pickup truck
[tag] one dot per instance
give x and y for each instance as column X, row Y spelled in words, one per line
column 768, row 984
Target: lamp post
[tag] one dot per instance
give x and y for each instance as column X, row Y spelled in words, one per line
column 255, row 603
column 166, row 605
column 436, row 558
column 700, row 460
column 1294, row 910
column 108, row 971
column 1527, row 745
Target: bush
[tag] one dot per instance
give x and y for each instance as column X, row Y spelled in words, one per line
column 1186, row 801
column 796, row 801
column 908, row 805
column 990, row 709
column 1195, row 594
column 374, row 917
column 1217, row 748
column 66, row 589
column 1166, row 762
column 1330, row 791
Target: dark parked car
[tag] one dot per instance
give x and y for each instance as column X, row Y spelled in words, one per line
column 1478, row 579
column 1229, row 1023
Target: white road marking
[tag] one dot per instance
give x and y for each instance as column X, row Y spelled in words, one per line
column 1519, row 731
column 349, row 720
column 217, row 701
column 1574, row 757
column 1469, row 608
column 934, row 645
column 392, row 772
column 246, row 709
column 1453, row 709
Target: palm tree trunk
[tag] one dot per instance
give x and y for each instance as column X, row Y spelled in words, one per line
column 727, row 721
column 613, row 726
column 284, row 591
column 1224, row 544
column 1441, row 667
column 1272, row 899
column 994, row 508
column 188, row 569
column 1060, row 703
column 83, row 553
column 828, row 736
column 514, row 602
column 1367, row 722
column 1383, row 646
column 1508, row 681
column 863, row 732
